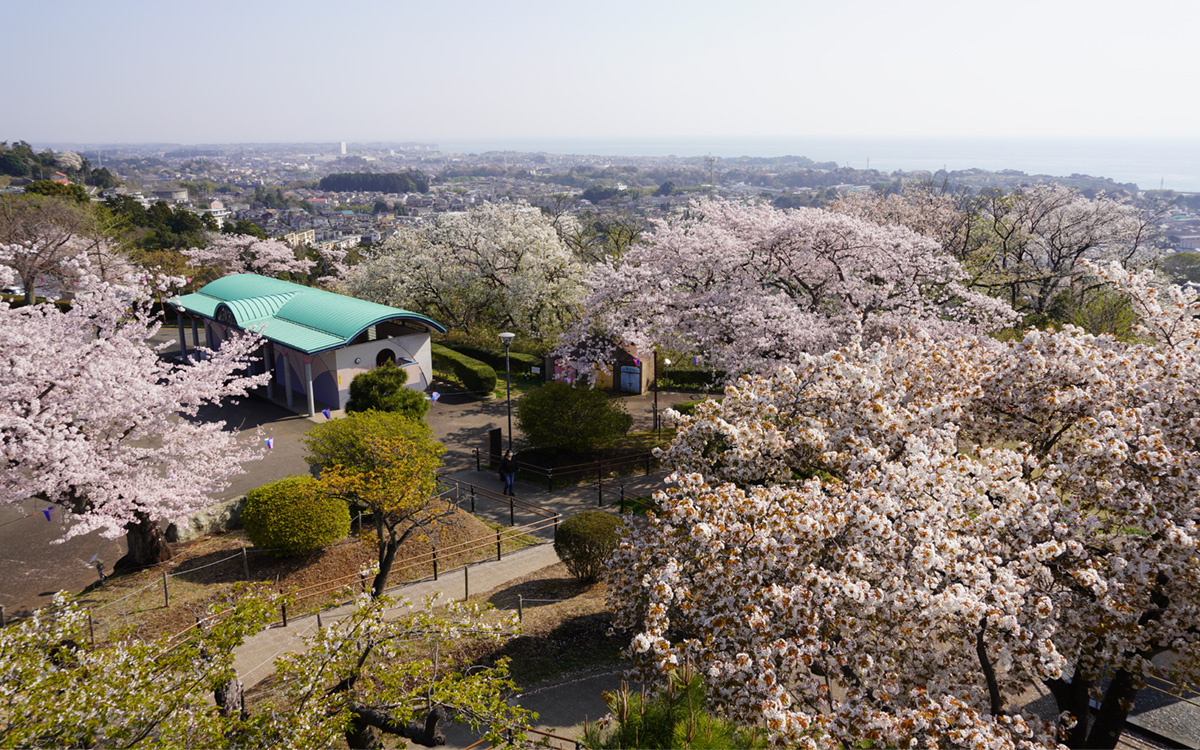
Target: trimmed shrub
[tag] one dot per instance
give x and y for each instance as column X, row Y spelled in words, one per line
column 560, row 416
column 292, row 517
column 475, row 375
column 520, row 362
column 690, row 378
column 382, row 389
column 585, row 541
column 688, row 408
column 18, row 300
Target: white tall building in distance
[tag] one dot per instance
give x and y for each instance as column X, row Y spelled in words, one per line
column 343, row 148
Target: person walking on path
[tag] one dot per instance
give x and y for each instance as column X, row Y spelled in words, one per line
column 508, row 471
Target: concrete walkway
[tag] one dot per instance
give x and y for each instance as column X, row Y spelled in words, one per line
column 255, row 658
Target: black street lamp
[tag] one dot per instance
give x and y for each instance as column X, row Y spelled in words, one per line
column 507, row 339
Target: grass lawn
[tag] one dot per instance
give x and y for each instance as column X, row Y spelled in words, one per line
column 560, row 637
column 520, row 386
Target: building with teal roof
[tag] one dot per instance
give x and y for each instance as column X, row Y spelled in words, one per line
column 315, row 341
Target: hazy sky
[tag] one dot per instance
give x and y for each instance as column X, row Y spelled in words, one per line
column 252, row 70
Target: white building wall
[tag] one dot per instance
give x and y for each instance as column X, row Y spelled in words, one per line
column 415, row 347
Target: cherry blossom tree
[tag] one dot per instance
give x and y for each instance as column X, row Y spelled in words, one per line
column 900, row 543
column 42, row 239
column 1039, row 235
column 751, row 287
column 94, row 421
column 241, row 253
column 494, row 266
column 360, row 675
column 922, row 207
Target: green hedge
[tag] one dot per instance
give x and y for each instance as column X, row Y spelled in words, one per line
column 477, row 376
column 691, row 377
column 520, row 362
column 15, row 300
column 688, row 408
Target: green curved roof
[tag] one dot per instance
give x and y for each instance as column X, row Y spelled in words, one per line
column 300, row 317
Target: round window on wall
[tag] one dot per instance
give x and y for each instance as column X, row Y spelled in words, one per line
column 385, row 355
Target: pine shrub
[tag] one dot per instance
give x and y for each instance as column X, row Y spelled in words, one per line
column 383, row 389
column 293, row 517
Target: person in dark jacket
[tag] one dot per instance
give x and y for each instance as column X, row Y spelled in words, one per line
column 508, row 471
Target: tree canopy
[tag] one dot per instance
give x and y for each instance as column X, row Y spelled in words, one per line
column 888, row 544
column 385, row 463
column 94, row 421
column 751, row 287
column 412, row 181
column 494, row 267
column 359, row 676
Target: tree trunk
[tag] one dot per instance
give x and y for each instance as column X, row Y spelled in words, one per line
column 1072, row 698
column 231, row 699
column 387, row 555
column 147, row 545
column 368, row 722
column 363, row 736
column 1110, row 719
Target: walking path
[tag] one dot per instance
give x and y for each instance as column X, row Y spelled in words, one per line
column 463, row 428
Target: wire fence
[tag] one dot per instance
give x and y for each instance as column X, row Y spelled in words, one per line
column 440, row 559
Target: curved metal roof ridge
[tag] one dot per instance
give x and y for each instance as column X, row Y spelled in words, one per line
column 258, row 300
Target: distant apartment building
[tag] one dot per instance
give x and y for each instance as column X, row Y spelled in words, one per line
column 171, row 194
column 1189, row 243
column 307, row 238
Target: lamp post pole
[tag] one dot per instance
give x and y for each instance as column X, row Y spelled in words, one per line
column 657, row 415
column 657, row 424
column 507, row 339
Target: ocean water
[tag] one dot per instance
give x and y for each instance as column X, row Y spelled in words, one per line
column 1173, row 164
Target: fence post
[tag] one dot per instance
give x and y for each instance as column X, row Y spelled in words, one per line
column 457, row 492
column 318, row 622
column 498, row 555
column 166, row 594
column 2, row 621
column 466, row 582
column 245, row 563
column 435, row 567
column 478, row 466
column 556, row 524
column 550, row 480
column 648, row 457
column 283, row 611
column 473, row 495
column 91, row 630
column 520, row 608
column 511, row 518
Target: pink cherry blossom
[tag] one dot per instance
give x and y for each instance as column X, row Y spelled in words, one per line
column 900, row 542
column 94, row 420
column 751, row 287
